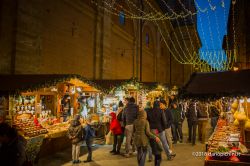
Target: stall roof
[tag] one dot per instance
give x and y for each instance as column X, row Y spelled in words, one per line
column 218, row 84
column 108, row 85
column 30, row 82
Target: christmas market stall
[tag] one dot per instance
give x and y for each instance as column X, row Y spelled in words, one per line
column 155, row 91
column 230, row 90
column 115, row 91
column 41, row 107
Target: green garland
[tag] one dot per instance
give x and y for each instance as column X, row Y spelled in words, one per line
column 53, row 81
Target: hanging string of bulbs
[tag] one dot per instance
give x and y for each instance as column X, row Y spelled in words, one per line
column 156, row 16
column 150, row 16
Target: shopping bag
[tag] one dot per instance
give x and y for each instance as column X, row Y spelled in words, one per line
column 109, row 138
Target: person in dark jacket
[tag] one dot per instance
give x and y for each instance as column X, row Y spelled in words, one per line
column 202, row 121
column 12, row 151
column 214, row 114
column 169, row 120
column 177, row 123
column 142, row 135
column 89, row 138
column 129, row 116
column 192, row 119
column 75, row 134
column 116, row 129
column 157, row 121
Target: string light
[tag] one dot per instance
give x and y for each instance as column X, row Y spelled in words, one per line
column 148, row 16
column 157, row 16
column 183, row 6
column 188, row 59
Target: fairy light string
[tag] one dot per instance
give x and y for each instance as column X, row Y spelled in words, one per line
column 157, row 16
column 187, row 60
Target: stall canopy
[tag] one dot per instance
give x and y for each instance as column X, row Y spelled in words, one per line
column 12, row 84
column 109, row 85
column 218, row 84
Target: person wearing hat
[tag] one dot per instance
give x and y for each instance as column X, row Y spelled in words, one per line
column 75, row 134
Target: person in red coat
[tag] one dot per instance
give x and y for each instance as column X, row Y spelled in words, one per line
column 116, row 130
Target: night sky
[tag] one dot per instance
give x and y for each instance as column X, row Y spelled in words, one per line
column 212, row 26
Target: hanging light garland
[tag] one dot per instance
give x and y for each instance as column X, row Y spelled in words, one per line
column 148, row 16
column 191, row 58
column 186, row 59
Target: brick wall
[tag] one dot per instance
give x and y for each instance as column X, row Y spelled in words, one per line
column 65, row 36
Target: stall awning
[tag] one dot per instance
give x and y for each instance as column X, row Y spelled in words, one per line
column 218, row 84
column 109, row 85
column 10, row 84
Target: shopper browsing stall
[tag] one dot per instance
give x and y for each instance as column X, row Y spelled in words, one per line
column 89, row 138
column 116, row 130
column 75, row 134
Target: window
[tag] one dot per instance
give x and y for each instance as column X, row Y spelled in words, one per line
column 147, row 39
column 122, row 18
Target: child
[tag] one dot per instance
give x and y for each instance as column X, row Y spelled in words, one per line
column 89, row 138
column 116, row 129
column 75, row 135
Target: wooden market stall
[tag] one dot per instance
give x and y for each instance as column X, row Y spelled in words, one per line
column 231, row 135
column 41, row 107
column 156, row 90
column 117, row 90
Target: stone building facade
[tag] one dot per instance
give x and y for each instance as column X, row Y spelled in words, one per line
column 238, row 37
column 77, row 37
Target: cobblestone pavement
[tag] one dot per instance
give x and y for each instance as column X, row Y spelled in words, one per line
column 102, row 157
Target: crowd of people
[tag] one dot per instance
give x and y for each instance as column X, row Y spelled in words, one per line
column 155, row 128
column 150, row 130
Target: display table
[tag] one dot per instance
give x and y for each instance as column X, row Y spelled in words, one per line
column 223, row 146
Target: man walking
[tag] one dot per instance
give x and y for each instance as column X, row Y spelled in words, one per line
column 157, row 121
column 129, row 116
column 177, row 123
column 191, row 115
column 169, row 120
